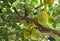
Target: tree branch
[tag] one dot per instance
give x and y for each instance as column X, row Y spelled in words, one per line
column 25, row 8
column 39, row 26
column 44, row 29
column 20, row 17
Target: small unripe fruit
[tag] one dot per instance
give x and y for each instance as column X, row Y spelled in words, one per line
column 26, row 34
column 35, row 34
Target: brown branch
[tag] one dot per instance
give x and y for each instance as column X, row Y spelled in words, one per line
column 25, row 8
column 17, row 13
column 44, row 29
column 39, row 26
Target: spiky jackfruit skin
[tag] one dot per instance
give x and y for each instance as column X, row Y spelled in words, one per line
column 50, row 2
column 35, row 34
column 42, row 17
column 26, row 34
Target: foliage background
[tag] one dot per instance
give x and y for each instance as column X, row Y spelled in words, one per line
column 10, row 23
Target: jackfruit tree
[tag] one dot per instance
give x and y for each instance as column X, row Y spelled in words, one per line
column 29, row 20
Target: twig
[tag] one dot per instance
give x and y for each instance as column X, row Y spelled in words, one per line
column 25, row 8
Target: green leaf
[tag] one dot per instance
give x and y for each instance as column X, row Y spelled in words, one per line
column 57, row 18
column 0, row 10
